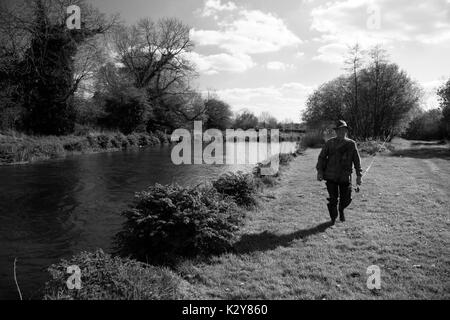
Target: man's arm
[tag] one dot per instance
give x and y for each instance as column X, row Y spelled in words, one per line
column 357, row 163
column 322, row 162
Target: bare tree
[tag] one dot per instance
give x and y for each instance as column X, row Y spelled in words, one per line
column 154, row 53
column 267, row 120
column 353, row 64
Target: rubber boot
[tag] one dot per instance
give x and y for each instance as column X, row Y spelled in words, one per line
column 332, row 209
column 341, row 215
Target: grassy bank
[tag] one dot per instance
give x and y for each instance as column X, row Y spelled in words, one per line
column 287, row 249
column 18, row 148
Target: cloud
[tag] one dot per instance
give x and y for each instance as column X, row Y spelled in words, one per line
column 300, row 54
column 279, row 66
column 332, row 53
column 212, row 7
column 371, row 22
column 284, row 102
column 246, row 32
column 213, row 64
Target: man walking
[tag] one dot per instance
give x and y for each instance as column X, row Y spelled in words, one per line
column 335, row 166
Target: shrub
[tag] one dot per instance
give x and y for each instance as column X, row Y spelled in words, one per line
column 126, row 109
column 239, row 186
column 103, row 141
column 112, row 278
column 162, row 137
column 7, row 154
column 286, row 158
column 119, row 141
column 154, row 140
column 144, row 139
column 373, row 147
column 172, row 221
column 27, row 150
column 122, row 141
column 268, row 181
column 426, row 126
column 312, row 139
column 133, row 140
column 93, row 142
column 76, row 144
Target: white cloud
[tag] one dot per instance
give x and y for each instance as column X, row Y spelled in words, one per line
column 300, row 54
column 347, row 22
column 216, row 63
column 247, row 32
column 279, row 66
column 212, row 7
column 332, row 53
column 285, row 101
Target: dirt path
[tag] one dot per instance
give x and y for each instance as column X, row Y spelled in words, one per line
column 399, row 222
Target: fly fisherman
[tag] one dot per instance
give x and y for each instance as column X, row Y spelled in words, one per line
column 335, row 167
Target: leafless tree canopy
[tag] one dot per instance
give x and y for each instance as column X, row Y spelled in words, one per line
column 155, row 54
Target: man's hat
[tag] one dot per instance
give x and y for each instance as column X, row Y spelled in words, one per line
column 341, row 124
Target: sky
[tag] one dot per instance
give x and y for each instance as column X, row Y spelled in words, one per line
column 269, row 55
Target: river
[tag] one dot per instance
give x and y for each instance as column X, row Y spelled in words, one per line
column 55, row 209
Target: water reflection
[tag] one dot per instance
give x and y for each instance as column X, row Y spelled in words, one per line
column 55, row 209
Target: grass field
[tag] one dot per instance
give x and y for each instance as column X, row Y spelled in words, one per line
column 400, row 222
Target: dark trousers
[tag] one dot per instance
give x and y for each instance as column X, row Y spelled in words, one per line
column 339, row 193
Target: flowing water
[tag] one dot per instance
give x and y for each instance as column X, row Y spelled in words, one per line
column 54, row 209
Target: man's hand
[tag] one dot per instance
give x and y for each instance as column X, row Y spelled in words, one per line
column 319, row 176
column 359, row 180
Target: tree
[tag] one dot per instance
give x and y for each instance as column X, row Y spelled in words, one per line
column 388, row 100
column 426, row 126
column 386, row 97
column 353, row 64
column 444, row 95
column 126, row 109
column 154, row 54
column 218, row 114
column 245, row 120
column 266, row 120
column 43, row 52
column 328, row 103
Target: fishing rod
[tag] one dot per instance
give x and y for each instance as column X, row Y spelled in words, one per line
column 358, row 189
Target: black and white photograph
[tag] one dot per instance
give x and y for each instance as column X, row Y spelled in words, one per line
column 221, row 155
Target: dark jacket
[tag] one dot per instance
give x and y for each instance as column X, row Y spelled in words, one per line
column 337, row 159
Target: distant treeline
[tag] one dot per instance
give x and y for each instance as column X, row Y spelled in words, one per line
column 378, row 100
column 107, row 75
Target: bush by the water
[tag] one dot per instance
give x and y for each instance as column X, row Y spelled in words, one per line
column 18, row 147
column 314, row 139
column 239, row 186
column 171, row 221
column 104, row 277
column 286, row 158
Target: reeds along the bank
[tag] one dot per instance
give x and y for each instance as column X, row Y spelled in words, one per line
column 20, row 148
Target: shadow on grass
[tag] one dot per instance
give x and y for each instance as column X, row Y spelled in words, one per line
column 265, row 241
column 423, row 153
